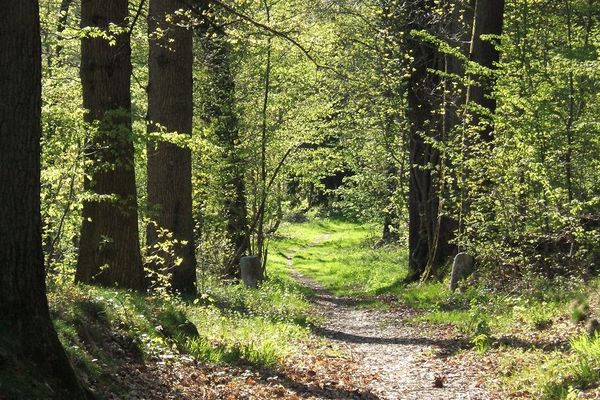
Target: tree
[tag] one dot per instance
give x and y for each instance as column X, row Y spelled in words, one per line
column 28, row 341
column 429, row 231
column 220, row 113
column 65, row 6
column 488, row 20
column 170, row 111
column 109, row 251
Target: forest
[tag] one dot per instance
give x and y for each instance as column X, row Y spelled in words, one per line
column 300, row 199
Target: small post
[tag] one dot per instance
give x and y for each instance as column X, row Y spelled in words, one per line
column 462, row 267
column 251, row 271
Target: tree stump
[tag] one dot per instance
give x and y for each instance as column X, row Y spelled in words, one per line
column 251, row 271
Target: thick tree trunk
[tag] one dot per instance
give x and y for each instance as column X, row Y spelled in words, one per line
column 488, row 20
column 109, row 252
column 32, row 361
column 431, row 230
column 170, row 110
column 220, row 112
column 424, row 98
column 456, row 31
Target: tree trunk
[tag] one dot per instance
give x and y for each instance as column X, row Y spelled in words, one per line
column 424, row 98
column 170, row 110
column 109, row 252
column 456, row 32
column 220, row 111
column 488, row 20
column 261, row 243
column 32, row 361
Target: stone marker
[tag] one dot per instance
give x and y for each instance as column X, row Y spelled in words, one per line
column 251, row 271
column 593, row 328
column 462, row 267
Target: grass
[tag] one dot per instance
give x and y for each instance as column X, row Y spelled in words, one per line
column 553, row 375
column 229, row 324
column 349, row 264
column 261, row 327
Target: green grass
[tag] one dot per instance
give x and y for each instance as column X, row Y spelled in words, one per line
column 226, row 324
column 552, row 375
column 348, row 262
column 261, row 327
column 266, row 326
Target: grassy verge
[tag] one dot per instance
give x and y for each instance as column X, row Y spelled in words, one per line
column 529, row 335
column 539, row 348
column 104, row 329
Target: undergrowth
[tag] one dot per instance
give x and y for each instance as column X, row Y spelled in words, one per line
column 532, row 328
column 532, row 332
column 103, row 329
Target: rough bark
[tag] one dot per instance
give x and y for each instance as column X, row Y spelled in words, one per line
column 455, row 30
column 109, row 252
column 170, row 110
column 423, row 96
column 488, row 20
column 431, row 229
column 32, row 361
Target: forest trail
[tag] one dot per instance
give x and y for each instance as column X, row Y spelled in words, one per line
column 409, row 360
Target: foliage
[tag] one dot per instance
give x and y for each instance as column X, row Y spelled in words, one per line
column 313, row 96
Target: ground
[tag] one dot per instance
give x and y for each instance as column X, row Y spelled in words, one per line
column 333, row 321
column 407, row 360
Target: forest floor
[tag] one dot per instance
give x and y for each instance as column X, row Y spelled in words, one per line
column 333, row 321
column 407, row 360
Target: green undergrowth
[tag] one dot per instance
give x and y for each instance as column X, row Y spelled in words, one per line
column 513, row 323
column 105, row 329
column 262, row 326
column 345, row 257
column 550, row 375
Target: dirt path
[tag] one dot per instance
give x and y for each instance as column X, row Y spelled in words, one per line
column 409, row 360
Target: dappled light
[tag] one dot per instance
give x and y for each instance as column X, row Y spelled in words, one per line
column 295, row 199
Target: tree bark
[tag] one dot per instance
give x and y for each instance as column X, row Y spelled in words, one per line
column 32, row 361
column 170, row 110
column 488, row 20
column 424, row 98
column 109, row 252
column 431, row 228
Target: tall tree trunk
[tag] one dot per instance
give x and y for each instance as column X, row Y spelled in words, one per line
column 424, row 98
column 261, row 243
column 220, row 112
column 456, row 30
column 32, row 361
column 109, row 252
column 170, row 110
column 488, row 20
